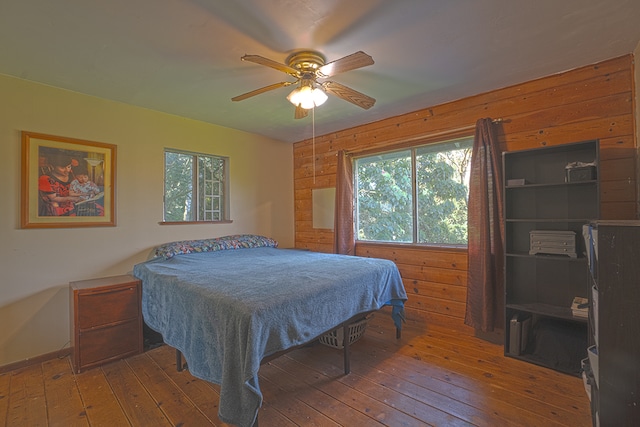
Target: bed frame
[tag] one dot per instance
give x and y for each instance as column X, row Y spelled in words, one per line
column 181, row 364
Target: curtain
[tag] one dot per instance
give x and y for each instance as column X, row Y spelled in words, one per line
column 343, row 234
column 485, row 286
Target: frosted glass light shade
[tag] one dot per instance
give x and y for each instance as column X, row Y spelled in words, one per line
column 307, row 97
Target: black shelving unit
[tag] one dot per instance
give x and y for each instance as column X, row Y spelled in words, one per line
column 614, row 374
column 541, row 195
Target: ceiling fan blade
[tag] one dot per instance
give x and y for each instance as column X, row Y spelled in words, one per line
column 348, row 94
column 257, row 59
column 301, row 113
column 261, row 90
column 348, row 63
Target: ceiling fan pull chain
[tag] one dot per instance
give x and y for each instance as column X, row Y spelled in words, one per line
column 313, row 141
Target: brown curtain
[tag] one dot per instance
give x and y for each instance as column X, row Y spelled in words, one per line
column 343, row 235
column 485, row 286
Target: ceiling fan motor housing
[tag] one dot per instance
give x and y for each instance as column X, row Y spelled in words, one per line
column 306, row 61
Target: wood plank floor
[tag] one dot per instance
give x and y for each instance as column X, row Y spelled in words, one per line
column 436, row 378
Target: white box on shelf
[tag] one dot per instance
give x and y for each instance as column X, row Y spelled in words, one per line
column 593, row 361
column 552, row 242
column 594, row 311
column 586, row 371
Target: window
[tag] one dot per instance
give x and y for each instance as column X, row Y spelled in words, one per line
column 195, row 187
column 416, row 195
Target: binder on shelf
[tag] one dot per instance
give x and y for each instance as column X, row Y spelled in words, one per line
column 519, row 327
column 590, row 236
column 594, row 312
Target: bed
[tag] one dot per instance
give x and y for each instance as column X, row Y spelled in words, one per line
column 228, row 303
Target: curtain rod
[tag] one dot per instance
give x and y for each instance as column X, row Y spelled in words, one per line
column 494, row 121
column 444, row 132
column 433, row 135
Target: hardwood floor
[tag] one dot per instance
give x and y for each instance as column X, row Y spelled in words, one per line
column 440, row 378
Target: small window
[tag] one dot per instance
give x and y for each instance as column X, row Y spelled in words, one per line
column 417, row 195
column 195, row 187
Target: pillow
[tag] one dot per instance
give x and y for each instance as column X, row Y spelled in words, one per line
column 238, row 241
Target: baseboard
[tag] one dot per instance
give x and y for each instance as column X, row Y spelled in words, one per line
column 35, row 360
column 494, row 337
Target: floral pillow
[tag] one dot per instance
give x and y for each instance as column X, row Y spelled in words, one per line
column 238, row 241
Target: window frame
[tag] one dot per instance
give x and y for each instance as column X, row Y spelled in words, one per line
column 195, row 188
column 412, row 147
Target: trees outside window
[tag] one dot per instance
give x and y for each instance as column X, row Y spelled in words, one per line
column 195, row 187
column 416, row 195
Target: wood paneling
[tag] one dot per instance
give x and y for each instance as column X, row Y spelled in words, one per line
column 595, row 101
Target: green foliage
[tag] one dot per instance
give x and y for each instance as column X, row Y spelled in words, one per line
column 178, row 186
column 384, row 200
column 385, row 196
column 442, row 201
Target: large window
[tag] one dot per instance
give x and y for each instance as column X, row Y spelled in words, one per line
column 195, row 187
column 416, row 195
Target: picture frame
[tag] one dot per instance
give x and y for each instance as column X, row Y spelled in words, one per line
column 67, row 182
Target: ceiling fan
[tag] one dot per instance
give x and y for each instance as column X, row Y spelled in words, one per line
column 307, row 66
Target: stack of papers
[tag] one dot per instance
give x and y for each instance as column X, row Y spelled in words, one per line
column 580, row 307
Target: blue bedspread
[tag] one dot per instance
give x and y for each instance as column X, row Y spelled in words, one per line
column 227, row 310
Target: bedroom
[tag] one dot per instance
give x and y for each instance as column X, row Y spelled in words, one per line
column 37, row 265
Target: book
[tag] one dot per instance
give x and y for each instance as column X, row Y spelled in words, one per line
column 92, row 199
column 580, row 307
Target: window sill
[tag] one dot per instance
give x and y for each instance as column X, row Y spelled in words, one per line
column 228, row 221
column 431, row 246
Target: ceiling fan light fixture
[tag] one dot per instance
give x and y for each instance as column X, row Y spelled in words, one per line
column 307, row 97
column 306, row 66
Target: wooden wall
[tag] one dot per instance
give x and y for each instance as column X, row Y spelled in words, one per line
column 594, row 101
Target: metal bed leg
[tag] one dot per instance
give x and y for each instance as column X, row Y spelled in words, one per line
column 398, row 333
column 347, row 357
column 179, row 365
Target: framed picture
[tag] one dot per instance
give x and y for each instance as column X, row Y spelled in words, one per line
column 67, row 182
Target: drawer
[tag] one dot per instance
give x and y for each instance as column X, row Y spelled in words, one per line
column 553, row 247
column 553, row 239
column 112, row 342
column 552, row 250
column 552, row 244
column 101, row 308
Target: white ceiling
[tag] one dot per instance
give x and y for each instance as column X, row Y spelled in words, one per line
column 183, row 56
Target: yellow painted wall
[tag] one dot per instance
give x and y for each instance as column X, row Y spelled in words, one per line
column 36, row 265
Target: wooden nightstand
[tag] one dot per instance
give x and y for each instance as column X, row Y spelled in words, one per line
column 106, row 320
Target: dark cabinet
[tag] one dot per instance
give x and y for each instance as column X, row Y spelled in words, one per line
column 615, row 323
column 549, row 194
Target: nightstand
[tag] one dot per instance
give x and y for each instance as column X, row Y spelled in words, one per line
column 106, row 320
